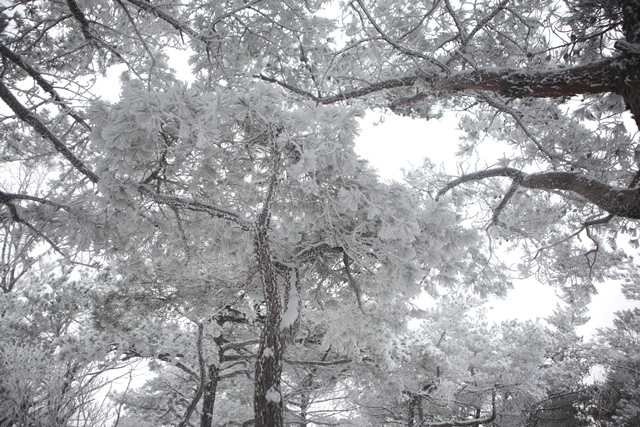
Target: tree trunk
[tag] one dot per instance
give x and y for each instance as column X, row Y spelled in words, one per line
column 415, row 416
column 268, row 406
column 209, row 399
column 305, row 401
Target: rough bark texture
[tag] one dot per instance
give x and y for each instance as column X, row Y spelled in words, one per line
column 596, row 77
column 620, row 201
column 267, row 397
column 209, row 398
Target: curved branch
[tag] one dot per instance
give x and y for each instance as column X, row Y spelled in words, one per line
column 620, row 201
column 512, row 173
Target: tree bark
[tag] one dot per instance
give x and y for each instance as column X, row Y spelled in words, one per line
column 268, row 405
column 595, row 77
column 620, row 201
column 209, row 398
column 267, row 398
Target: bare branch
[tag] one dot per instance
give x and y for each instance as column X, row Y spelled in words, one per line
column 352, row 281
column 505, row 200
column 595, row 77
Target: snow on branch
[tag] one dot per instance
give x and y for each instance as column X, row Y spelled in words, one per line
column 202, row 382
column 596, row 77
column 174, row 22
column 620, row 201
column 466, row 423
column 193, row 205
column 349, row 94
column 43, row 83
column 30, row 118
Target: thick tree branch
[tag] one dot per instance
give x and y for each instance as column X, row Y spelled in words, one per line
column 193, row 205
column 30, row 118
column 620, row 201
column 596, row 77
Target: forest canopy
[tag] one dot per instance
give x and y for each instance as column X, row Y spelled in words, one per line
column 221, row 238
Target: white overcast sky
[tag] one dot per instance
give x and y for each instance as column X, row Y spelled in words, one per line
column 399, row 143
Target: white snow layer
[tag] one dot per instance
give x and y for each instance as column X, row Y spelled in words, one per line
column 290, row 314
column 273, row 395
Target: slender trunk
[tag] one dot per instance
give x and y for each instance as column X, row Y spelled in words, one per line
column 305, row 401
column 209, row 398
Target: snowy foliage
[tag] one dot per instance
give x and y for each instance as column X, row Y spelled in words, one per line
column 224, row 231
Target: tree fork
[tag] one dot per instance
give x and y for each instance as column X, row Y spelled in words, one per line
column 620, row 201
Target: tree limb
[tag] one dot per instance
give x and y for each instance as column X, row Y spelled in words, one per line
column 193, row 205
column 318, row 362
column 595, row 77
column 398, row 46
column 240, row 344
column 30, row 118
column 44, row 84
column 175, row 23
column 466, row 423
column 620, row 201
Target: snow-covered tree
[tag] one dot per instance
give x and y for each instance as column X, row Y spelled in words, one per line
column 239, row 193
